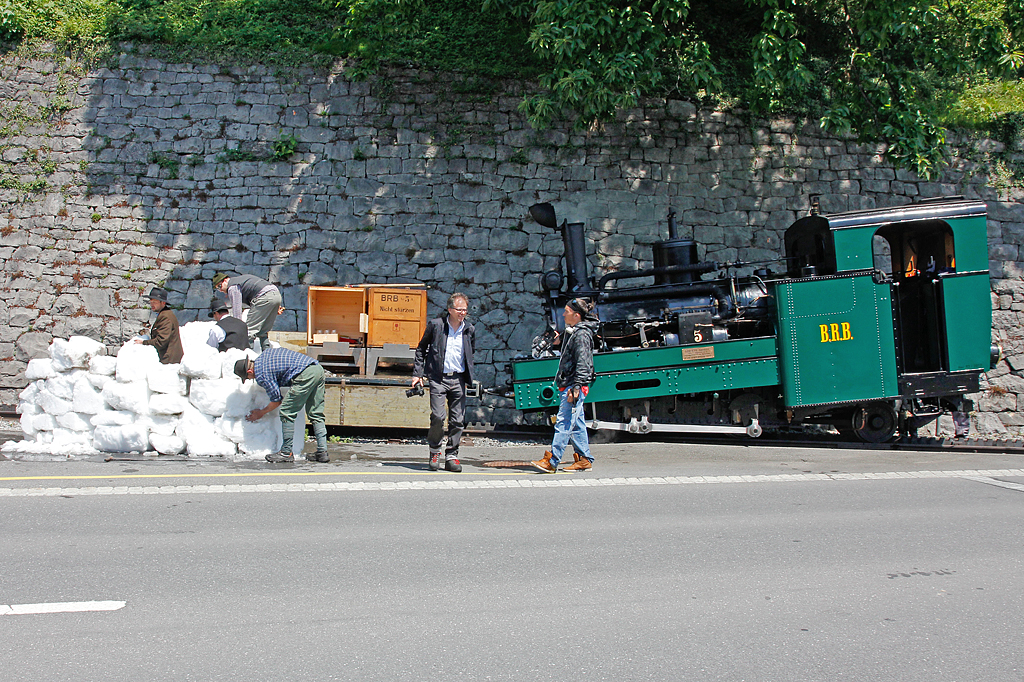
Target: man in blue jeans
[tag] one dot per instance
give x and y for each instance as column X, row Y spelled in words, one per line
column 575, row 373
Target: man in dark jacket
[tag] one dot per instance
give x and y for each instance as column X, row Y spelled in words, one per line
column 229, row 332
column 164, row 334
column 261, row 297
column 445, row 357
column 573, row 378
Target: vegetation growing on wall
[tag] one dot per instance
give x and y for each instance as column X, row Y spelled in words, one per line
column 898, row 71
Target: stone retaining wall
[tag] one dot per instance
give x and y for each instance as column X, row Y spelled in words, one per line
column 160, row 173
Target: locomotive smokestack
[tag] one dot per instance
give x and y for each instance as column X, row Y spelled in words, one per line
column 575, row 247
column 576, row 257
column 672, row 234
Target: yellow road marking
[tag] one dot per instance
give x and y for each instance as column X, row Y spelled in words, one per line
column 252, row 474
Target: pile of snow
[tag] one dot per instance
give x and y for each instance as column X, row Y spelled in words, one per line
column 82, row 402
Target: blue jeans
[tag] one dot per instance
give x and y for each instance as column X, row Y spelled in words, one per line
column 571, row 425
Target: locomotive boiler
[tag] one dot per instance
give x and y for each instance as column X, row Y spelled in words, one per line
column 874, row 321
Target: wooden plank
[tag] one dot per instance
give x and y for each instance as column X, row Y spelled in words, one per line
column 291, row 340
column 385, row 406
column 334, row 405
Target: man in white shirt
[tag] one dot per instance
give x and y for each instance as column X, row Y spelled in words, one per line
column 229, row 332
column 445, row 357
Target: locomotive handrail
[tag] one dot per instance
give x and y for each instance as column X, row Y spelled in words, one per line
column 707, row 266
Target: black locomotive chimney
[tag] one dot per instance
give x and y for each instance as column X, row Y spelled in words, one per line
column 674, row 251
column 576, row 257
column 575, row 248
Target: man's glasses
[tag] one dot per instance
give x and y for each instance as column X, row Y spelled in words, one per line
column 459, row 310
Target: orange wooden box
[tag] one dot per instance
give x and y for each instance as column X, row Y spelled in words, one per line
column 336, row 314
column 396, row 315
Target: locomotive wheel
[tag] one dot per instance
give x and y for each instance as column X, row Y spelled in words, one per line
column 875, row 422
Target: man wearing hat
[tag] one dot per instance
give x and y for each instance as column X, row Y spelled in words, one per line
column 262, row 298
column 164, row 334
column 229, row 332
column 275, row 368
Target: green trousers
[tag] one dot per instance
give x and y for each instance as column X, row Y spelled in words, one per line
column 306, row 391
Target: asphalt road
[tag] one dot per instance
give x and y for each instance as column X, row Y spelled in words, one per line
column 666, row 562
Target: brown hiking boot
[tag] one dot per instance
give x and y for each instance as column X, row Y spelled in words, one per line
column 544, row 465
column 581, row 464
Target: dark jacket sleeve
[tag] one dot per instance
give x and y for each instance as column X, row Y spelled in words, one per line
column 421, row 350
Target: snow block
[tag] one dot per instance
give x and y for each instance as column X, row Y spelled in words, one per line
column 133, row 397
column 134, row 361
column 85, row 398
column 40, row 368
column 74, row 421
column 61, row 386
column 51, row 404
column 165, row 379
column 210, row 395
column 255, row 439
column 44, row 422
column 113, row 418
column 201, row 363
column 165, row 403
column 194, row 336
column 75, row 352
column 167, row 445
column 103, row 364
column 127, row 438
column 160, row 425
column 201, row 437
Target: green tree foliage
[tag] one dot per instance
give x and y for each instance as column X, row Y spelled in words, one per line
column 255, row 29
column 870, row 67
column 435, row 34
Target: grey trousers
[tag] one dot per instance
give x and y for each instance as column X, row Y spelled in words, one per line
column 450, row 392
column 262, row 315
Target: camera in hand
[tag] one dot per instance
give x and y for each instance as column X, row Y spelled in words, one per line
column 415, row 390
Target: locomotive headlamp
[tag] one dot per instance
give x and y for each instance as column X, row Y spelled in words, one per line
column 552, row 282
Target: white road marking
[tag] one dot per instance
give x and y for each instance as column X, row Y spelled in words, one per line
column 60, row 607
column 1009, row 485
column 529, row 481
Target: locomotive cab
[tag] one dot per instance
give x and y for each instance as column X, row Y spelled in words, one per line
column 914, row 281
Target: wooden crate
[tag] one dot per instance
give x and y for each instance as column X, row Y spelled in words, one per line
column 377, row 406
column 336, row 314
column 396, row 315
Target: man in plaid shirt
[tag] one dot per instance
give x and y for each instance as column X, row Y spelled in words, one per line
column 279, row 367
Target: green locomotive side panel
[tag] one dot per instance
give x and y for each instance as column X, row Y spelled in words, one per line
column 970, row 243
column 655, row 383
column 836, row 340
column 853, row 248
column 968, row 312
column 655, row 372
